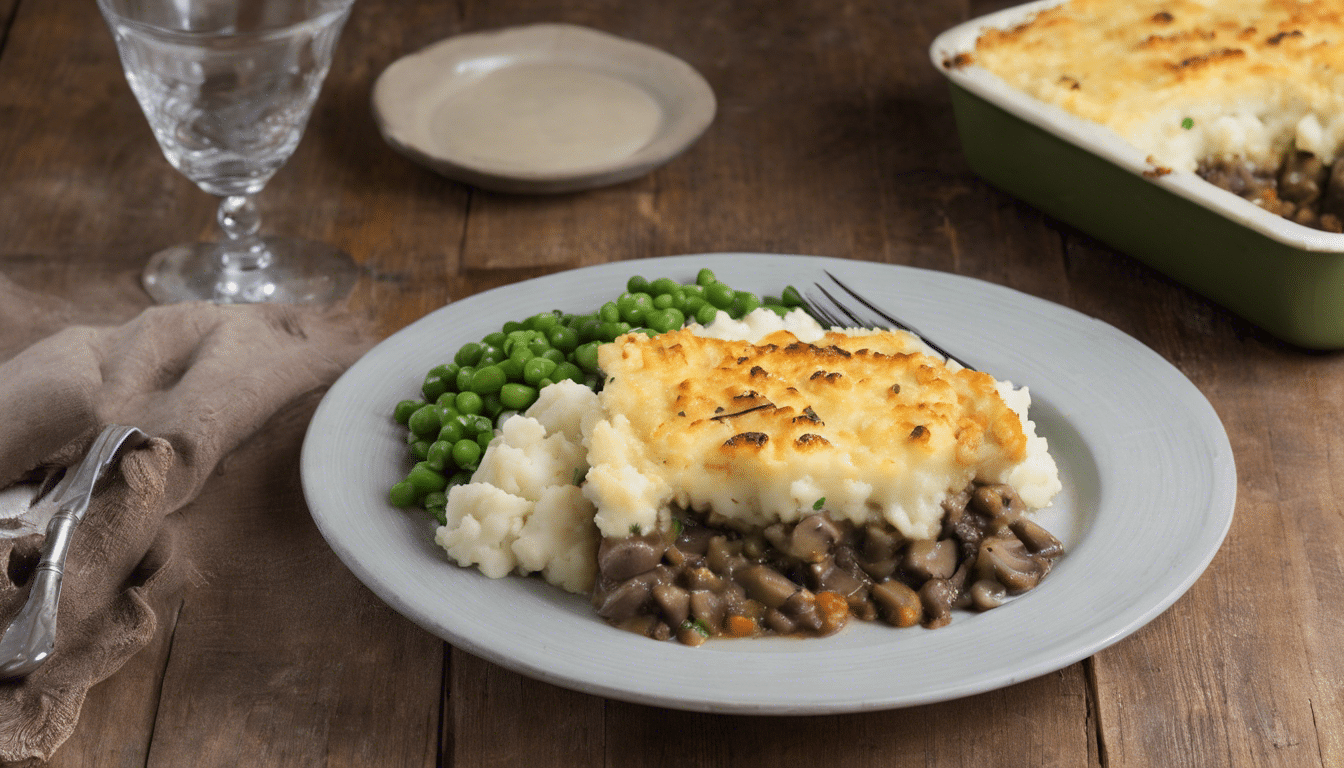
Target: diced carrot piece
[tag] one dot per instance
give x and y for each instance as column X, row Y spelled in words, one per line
column 740, row 626
column 834, row 610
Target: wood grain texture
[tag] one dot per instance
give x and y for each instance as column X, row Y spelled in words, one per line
column 833, row 137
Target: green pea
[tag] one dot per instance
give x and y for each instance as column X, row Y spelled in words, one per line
column 448, row 371
column 469, row 403
column 554, row 355
column 666, row 320
column 693, row 289
column 513, row 367
column 563, row 339
column 439, row 453
column 426, row 478
column 484, row 438
column 433, row 386
column 790, row 297
column 467, row 454
column 447, row 407
column 495, row 339
column 451, row 432
column 402, row 413
column 634, row 306
column 468, row 354
column 705, row 277
column 663, row 300
column 609, row 313
column 420, row 449
column 490, row 356
column 586, row 328
column 425, row 421
column 518, row 397
column 435, row 503
column 511, row 326
column 720, row 295
column 663, row 285
column 692, row 305
column 461, row 478
column 744, row 303
column 637, row 284
column 537, row 369
column 585, row 357
column 609, row 331
column 543, row 322
column 706, row 314
column 539, row 346
column 491, row 405
column 402, row 494
column 463, row 383
column 476, row 424
column 568, row 371
column 487, row 379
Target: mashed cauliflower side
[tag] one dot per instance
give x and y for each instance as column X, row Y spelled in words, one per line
column 524, row 513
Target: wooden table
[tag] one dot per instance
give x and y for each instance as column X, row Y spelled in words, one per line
column 834, row 137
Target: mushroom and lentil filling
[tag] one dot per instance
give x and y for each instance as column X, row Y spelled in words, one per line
column 1249, row 94
column 808, row 578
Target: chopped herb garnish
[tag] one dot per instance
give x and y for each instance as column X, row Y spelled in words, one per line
column 677, row 526
column 1188, row 123
column 578, row 475
column 634, row 529
column 698, row 625
column 819, row 503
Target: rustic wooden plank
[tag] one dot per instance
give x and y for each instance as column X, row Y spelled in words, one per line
column 125, row 704
column 1031, row 723
column 494, row 719
column 280, row 656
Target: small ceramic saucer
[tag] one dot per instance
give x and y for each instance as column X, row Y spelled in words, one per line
column 541, row 108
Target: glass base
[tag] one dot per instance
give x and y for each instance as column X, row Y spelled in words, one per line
column 298, row 272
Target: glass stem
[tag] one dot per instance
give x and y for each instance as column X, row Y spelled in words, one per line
column 240, row 221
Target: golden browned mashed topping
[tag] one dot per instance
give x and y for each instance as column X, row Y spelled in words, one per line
column 767, row 431
column 1185, row 81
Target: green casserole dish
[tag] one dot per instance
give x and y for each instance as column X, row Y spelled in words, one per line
column 1282, row 276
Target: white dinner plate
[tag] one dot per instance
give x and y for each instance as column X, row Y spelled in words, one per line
column 541, row 108
column 1149, row 490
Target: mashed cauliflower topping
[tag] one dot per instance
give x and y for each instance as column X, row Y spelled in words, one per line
column 643, row 444
column 1187, row 80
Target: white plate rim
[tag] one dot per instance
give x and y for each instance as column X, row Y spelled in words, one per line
column 1165, row 494
column 686, row 97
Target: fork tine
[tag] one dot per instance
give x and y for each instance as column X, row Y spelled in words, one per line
column 888, row 318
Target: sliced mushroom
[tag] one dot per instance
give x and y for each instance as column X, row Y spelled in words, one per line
column 898, row 604
column 987, row 593
column 1037, row 540
column 767, row 585
column 998, row 502
column 930, row 559
column 1006, row 559
column 674, row 601
column 626, row 600
column 813, row 537
column 623, row 558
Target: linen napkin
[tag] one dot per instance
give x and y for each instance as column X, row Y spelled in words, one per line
column 200, row 379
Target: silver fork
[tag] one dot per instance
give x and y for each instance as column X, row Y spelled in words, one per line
column 841, row 315
column 31, row 636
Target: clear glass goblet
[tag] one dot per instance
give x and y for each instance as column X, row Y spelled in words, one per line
column 227, row 87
